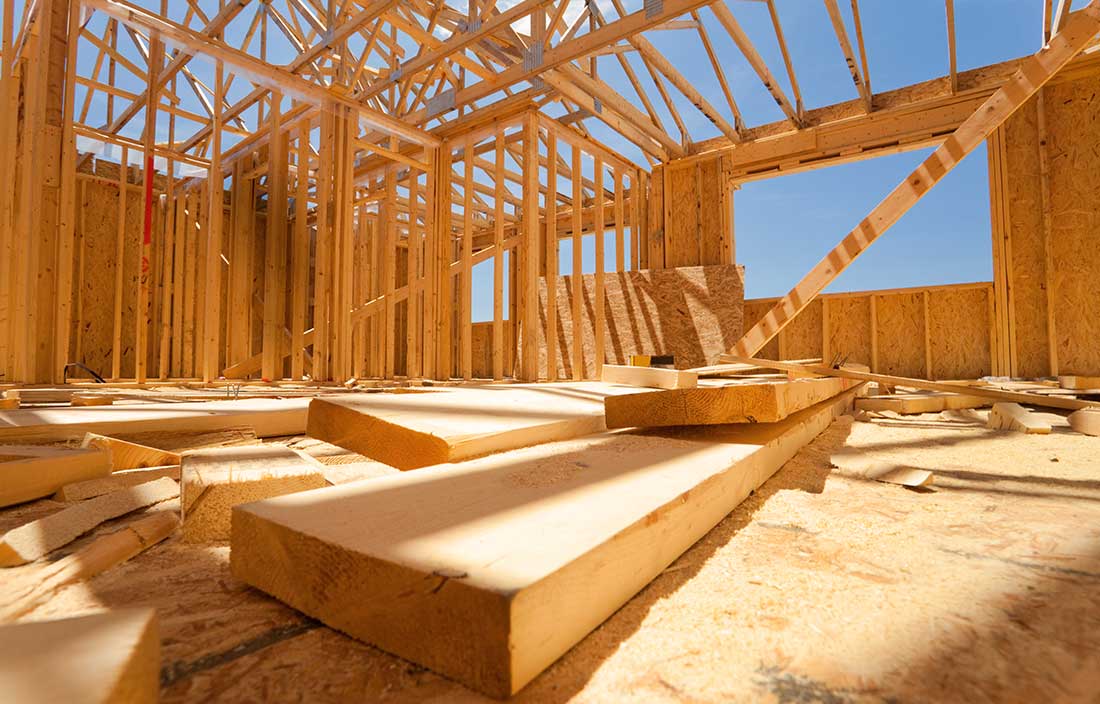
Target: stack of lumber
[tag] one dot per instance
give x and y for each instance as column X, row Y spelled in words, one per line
column 412, row 430
column 526, row 522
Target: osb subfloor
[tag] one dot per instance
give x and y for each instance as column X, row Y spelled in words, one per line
column 820, row 588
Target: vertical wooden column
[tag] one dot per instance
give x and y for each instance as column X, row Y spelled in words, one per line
column 299, row 277
column 577, row 278
column 431, row 264
column 145, row 248
column 498, row 258
column 1004, row 343
column 413, row 309
column 388, row 235
column 275, row 247
column 8, row 124
column 529, row 313
column 598, row 318
column 466, row 312
column 322, row 285
column 67, row 207
column 120, row 251
column 211, row 349
column 445, row 256
column 551, row 220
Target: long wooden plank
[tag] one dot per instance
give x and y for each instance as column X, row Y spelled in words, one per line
column 28, row 473
column 490, row 570
column 414, row 430
column 1033, row 73
column 1072, row 404
column 38, row 538
column 649, row 376
column 718, row 402
column 106, row 657
column 269, row 418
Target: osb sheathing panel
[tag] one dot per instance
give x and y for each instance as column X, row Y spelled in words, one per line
column 693, row 313
column 850, row 329
column 900, row 332
column 958, row 320
column 1073, row 146
column 482, row 336
column 682, row 229
column 754, row 311
column 1028, row 270
column 802, row 336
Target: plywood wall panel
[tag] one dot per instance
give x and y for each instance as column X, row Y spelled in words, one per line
column 693, row 313
column 958, row 320
column 1073, row 148
column 901, row 334
column 1028, row 270
column 850, row 329
column 754, row 311
column 802, row 337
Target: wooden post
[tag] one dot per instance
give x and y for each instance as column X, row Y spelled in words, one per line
column 598, row 318
column 275, row 249
column 300, row 256
column 529, row 252
column 498, row 258
column 577, row 278
column 552, row 245
column 211, row 351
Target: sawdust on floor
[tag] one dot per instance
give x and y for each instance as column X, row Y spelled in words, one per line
column 821, row 587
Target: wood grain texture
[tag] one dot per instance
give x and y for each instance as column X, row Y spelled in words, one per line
column 959, row 331
column 691, row 313
column 267, row 417
column 29, row 472
column 716, row 402
column 488, row 571
column 98, row 659
column 36, row 539
column 901, row 334
column 215, row 480
column 412, row 430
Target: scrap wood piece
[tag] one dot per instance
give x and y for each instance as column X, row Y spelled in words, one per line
column 38, row 585
column 861, row 464
column 268, row 417
column 1079, row 383
column 756, row 402
column 654, row 377
column 1034, row 72
column 90, row 488
column 1013, row 416
column 31, row 472
column 909, row 404
column 522, row 553
column 1071, row 404
column 130, row 455
column 414, row 430
column 36, row 539
column 91, row 400
column 1085, row 421
column 213, row 481
column 98, row 659
column 178, row 441
column 9, row 404
column 735, row 369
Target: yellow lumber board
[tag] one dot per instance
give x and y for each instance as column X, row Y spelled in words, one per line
column 36, row 539
column 1085, row 421
column 215, row 480
column 1079, row 382
column 412, row 430
column 921, row 403
column 721, row 402
column 1013, row 416
column 654, row 377
column 98, row 659
column 488, row 571
column 129, row 455
column 28, row 473
column 1071, row 404
column 268, row 417
column 90, row 488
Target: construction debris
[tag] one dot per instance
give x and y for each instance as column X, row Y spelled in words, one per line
column 1013, row 416
column 38, row 538
column 130, row 455
column 216, row 480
